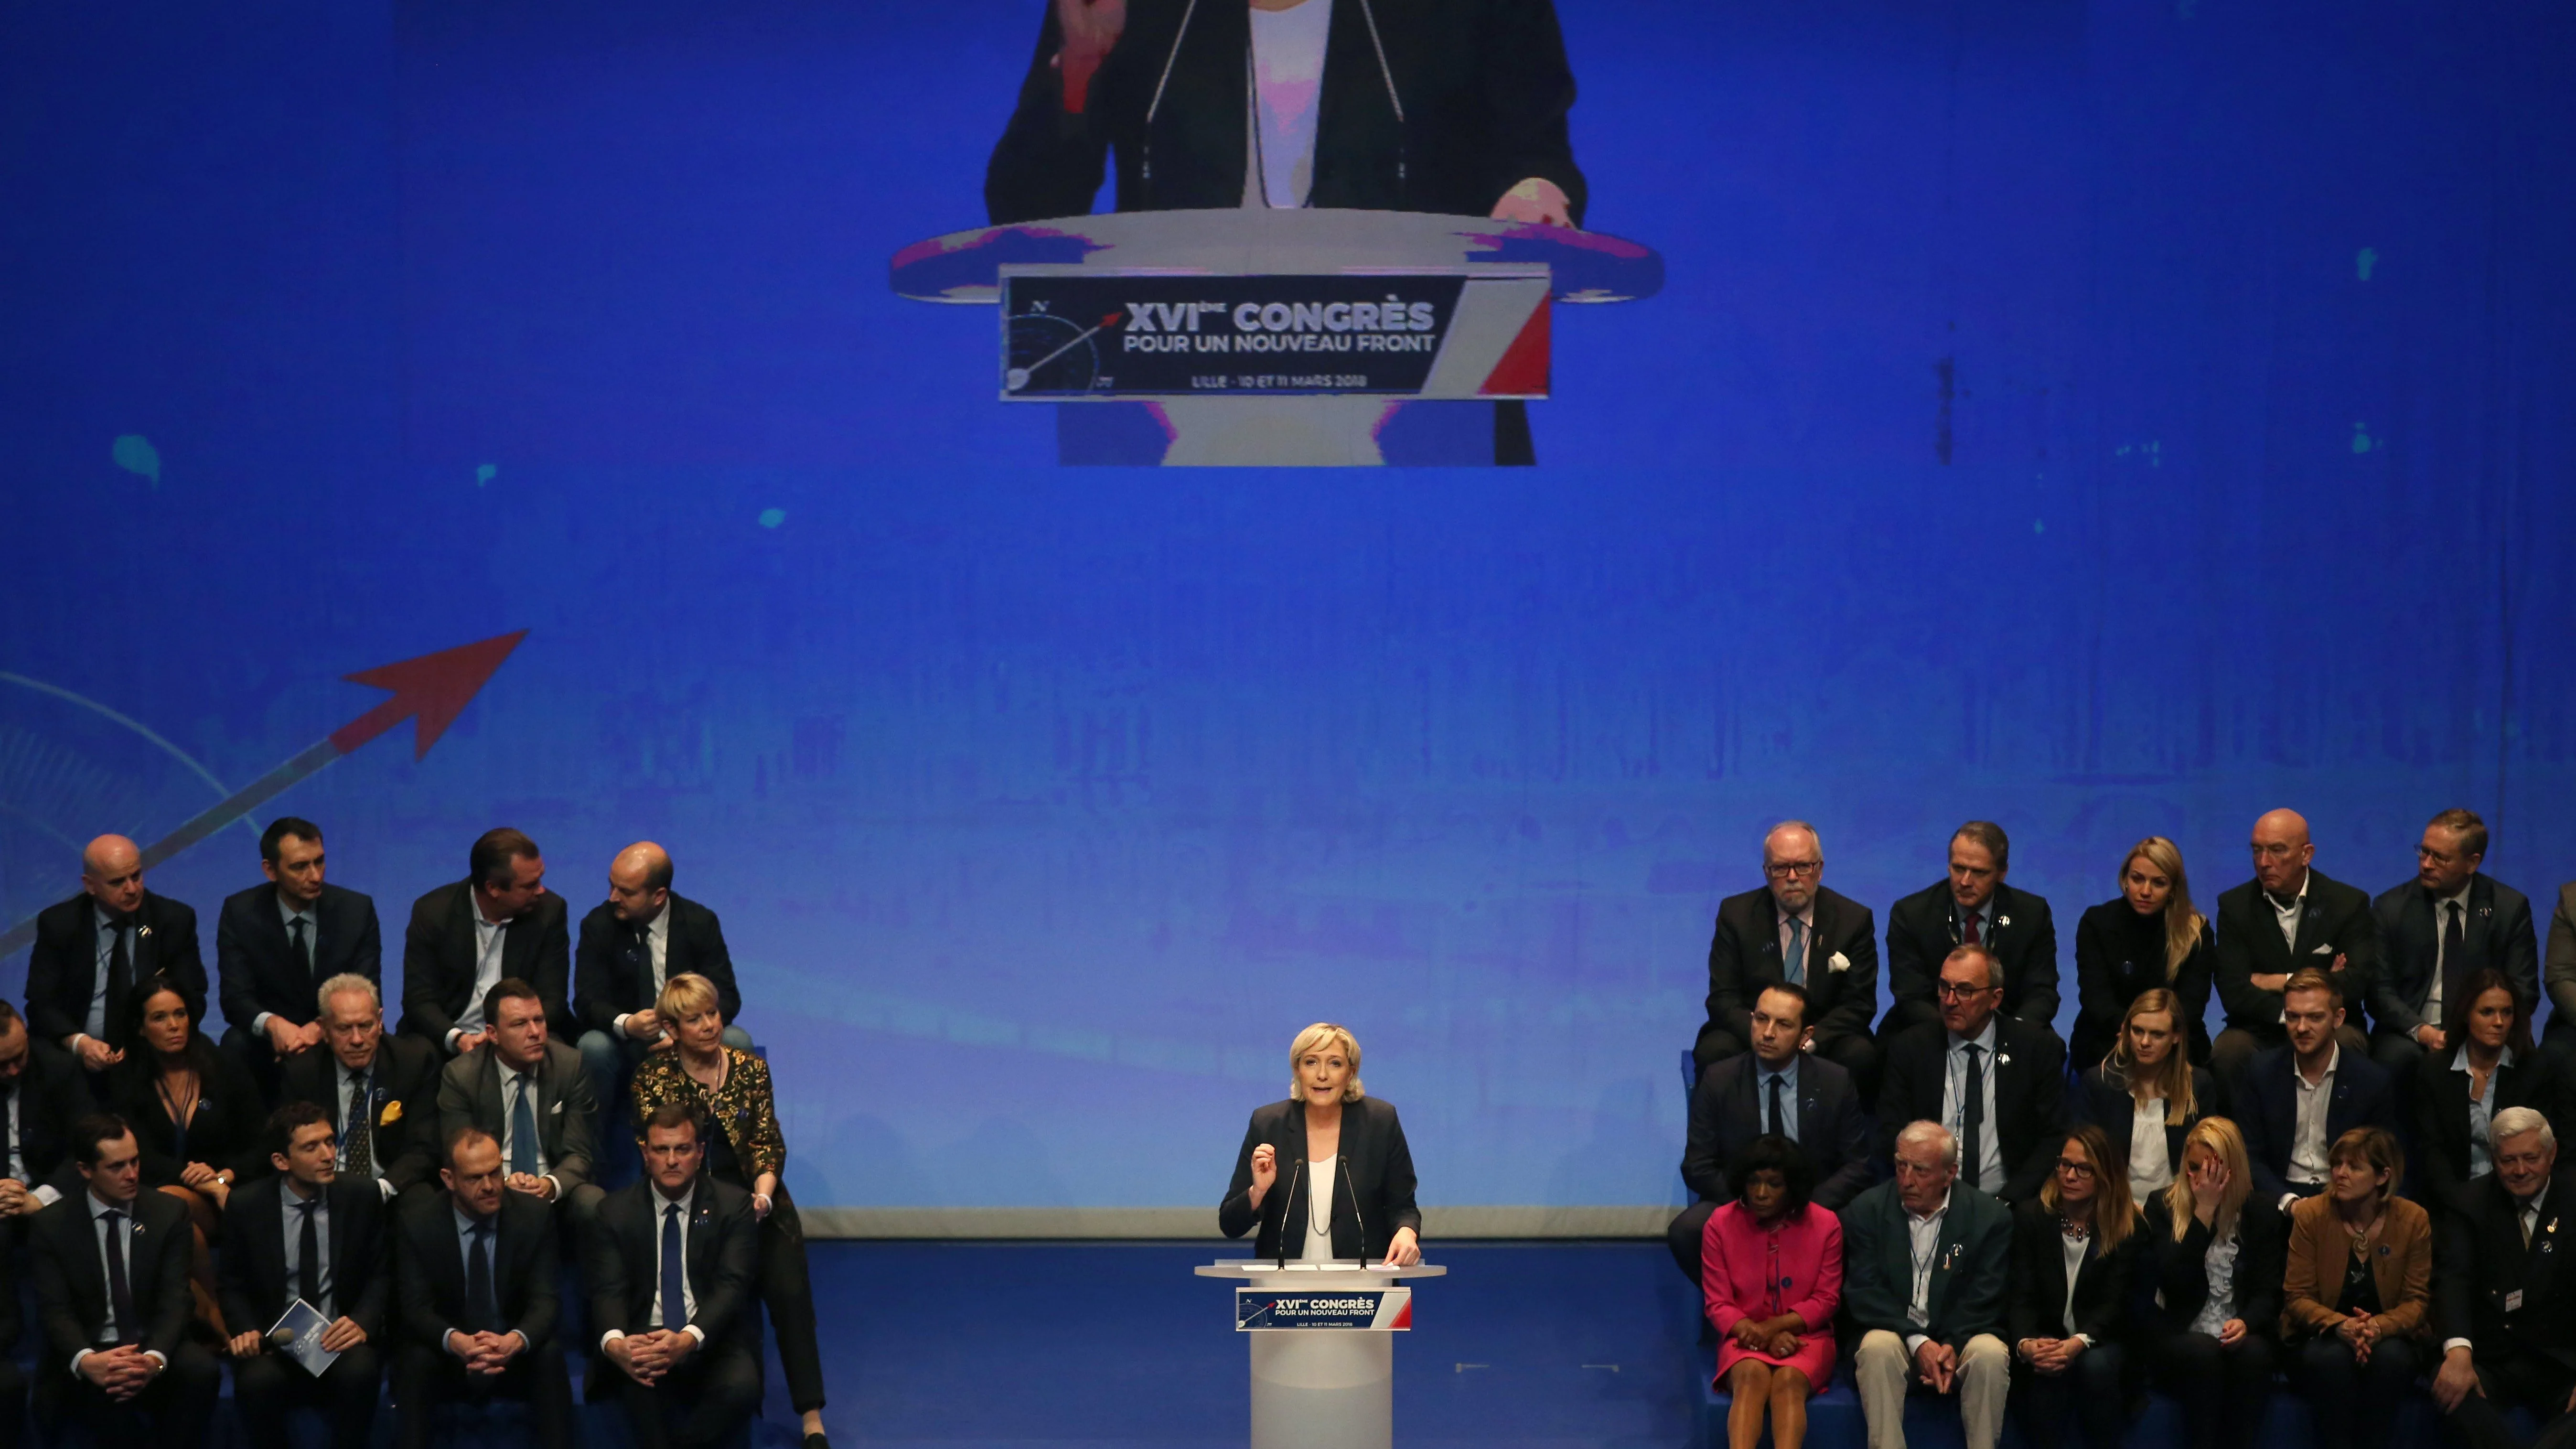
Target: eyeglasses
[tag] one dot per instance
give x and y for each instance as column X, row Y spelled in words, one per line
column 1953, row 991
column 2073, row 1168
column 1791, row 869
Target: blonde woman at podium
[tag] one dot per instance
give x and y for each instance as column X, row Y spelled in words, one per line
column 1325, row 1175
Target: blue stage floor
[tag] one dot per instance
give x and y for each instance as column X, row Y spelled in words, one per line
column 1026, row 1344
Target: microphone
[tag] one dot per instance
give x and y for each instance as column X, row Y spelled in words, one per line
column 281, row 1338
column 1145, row 163
column 1285, row 1204
column 1386, row 73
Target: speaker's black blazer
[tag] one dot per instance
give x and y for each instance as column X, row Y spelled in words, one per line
column 1372, row 1187
column 1744, row 957
column 2495, row 931
column 1922, row 930
column 2030, row 1095
column 251, row 1269
column 1727, row 1111
column 257, row 972
column 62, row 970
column 438, row 960
column 610, row 977
column 404, row 1085
column 723, row 1253
column 429, row 1268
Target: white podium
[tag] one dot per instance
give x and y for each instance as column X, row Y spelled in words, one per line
column 1323, row 1349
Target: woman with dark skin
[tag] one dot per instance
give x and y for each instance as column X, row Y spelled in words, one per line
column 196, row 1115
column 1771, row 1271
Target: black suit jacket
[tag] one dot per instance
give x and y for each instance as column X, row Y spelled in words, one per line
column 2496, row 931
column 2266, row 1101
column 62, row 970
column 1484, row 86
column 2103, row 1281
column 1744, row 957
column 252, row 1267
column 2439, row 1104
column 2180, row 1270
column 258, row 973
column 71, row 1279
column 611, row 977
column 405, row 1076
column 2029, row 1070
column 2483, row 1263
column 1372, row 1187
column 2115, row 962
column 2106, row 1103
column 723, row 1248
column 54, row 1094
column 429, row 1268
column 438, row 960
column 2560, row 967
column 2337, row 921
column 1923, row 929
column 1971, row 1276
column 1727, row 1111
column 228, row 1129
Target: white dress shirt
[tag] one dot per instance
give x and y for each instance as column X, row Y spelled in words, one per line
column 2481, row 1109
column 688, row 1206
column 1287, row 98
column 1320, row 1177
column 2288, row 916
column 2308, row 1145
column 1987, row 1172
column 2220, row 1266
column 2149, row 1168
column 490, row 942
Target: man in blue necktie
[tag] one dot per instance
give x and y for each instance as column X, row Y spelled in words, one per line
column 669, row 1262
column 476, row 1270
column 532, row 1095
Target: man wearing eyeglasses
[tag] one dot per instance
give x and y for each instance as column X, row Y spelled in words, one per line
column 1791, row 929
column 2436, row 931
column 1998, row 1084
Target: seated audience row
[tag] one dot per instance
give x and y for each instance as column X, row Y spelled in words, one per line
column 2400, row 960
column 2055, row 1307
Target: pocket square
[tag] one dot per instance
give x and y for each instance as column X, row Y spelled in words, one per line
column 2322, row 951
column 556, row 1109
column 1838, row 962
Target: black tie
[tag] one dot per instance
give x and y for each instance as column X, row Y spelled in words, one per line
column 2455, row 959
column 297, row 943
column 120, row 977
column 482, row 1313
column 1972, row 1118
column 1778, row 1123
column 120, row 1293
column 308, row 1256
column 359, row 1127
column 675, row 1283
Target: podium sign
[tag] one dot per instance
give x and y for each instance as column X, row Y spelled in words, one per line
column 1385, row 1309
column 1075, row 333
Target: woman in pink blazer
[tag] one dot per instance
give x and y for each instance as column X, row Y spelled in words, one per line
column 1771, row 1265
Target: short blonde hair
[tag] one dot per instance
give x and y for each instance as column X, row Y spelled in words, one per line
column 1321, row 1035
column 686, row 994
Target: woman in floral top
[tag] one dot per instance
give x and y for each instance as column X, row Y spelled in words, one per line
column 729, row 1088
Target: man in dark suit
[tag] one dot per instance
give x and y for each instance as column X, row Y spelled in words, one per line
column 498, row 921
column 2505, row 1300
column 111, row 1271
column 1794, row 930
column 1778, row 1087
column 91, row 949
column 2559, row 973
column 307, row 1233
column 41, row 1095
column 378, row 1091
column 276, row 943
column 475, row 1270
column 2449, row 922
column 670, row 1264
column 533, row 1097
column 1971, row 907
column 2288, row 919
column 1997, row 1084
column 1926, row 1267
column 631, row 945
column 2293, row 1101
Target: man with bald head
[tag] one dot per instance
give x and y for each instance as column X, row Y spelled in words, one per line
column 1791, row 929
column 91, row 949
column 631, row 944
column 2289, row 918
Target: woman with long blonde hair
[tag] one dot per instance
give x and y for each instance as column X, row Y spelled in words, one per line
column 2149, row 935
column 2146, row 1095
column 2215, row 1269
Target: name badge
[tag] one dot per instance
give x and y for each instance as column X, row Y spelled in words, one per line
column 2513, row 1301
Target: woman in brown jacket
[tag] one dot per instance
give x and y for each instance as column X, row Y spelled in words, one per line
column 2356, row 1300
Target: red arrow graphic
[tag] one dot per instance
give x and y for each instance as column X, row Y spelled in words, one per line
column 431, row 690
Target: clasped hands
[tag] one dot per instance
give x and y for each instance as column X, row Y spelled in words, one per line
column 646, row 1357
column 342, row 1335
column 287, row 1039
column 485, row 1353
column 2049, row 1355
column 16, row 1201
column 1777, row 1337
column 1937, row 1364
column 120, row 1372
column 2361, row 1331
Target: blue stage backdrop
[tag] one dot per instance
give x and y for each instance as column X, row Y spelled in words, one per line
column 2106, row 418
